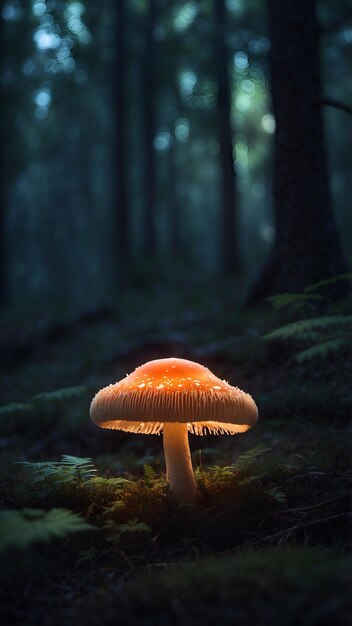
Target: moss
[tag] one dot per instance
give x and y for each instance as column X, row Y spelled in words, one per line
column 286, row 587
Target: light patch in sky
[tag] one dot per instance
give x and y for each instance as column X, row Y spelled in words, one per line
column 162, row 140
column 248, row 87
column 182, row 129
column 45, row 40
column 243, row 102
column 43, row 98
column 74, row 14
column 268, row 233
column 39, row 8
column 185, row 16
column 188, row 81
column 11, row 13
column 268, row 123
column 240, row 61
column 235, row 6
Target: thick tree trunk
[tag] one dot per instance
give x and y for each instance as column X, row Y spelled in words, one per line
column 122, row 239
column 149, row 226
column 307, row 247
column 174, row 217
column 228, row 235
column 3, row 277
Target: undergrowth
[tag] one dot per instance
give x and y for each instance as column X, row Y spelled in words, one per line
column 259, row 499
column 327, row 327
column 88, row 520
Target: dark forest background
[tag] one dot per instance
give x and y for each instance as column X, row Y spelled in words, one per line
column 137, row 143
column 176, row 182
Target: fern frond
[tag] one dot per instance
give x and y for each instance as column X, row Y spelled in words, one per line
column 43, row 471
column 302, row 326
column 327, row 282
column 297, row 299
column 322, row 350
column 149, row 473
column 250, row 479
column 59, row 395
column 81, row 468
column 70, row 469
column 134, row 526
column 277, row 494
column 117, row 483
column 16, row 408
column 248, row 458
column 20, row 529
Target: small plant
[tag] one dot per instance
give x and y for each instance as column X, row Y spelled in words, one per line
column 21, row 529
column 70, row 469
column 39, row 409
column 323, row 334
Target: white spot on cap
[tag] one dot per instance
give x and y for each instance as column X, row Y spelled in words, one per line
column 141, row 385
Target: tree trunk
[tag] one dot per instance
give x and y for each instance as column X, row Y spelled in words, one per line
column 149, row 230
column 228, row 238
column 307, row 247
column 173, row 208
column 3, row 247
column 121, row 234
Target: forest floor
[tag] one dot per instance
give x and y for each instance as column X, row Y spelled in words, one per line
column 269, row 542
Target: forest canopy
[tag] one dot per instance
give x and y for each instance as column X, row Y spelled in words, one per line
column 138, row 139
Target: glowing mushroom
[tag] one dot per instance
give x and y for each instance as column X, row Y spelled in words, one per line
column 174, row 396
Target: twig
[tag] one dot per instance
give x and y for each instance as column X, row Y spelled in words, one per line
column 318, row 522
column 293, row 510
column 317, row 427
column 336, row 104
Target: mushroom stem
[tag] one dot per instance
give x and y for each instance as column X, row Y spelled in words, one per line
column 179, row 470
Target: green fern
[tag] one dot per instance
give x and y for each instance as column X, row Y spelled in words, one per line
column 59, row 395
column 322, row 350
column 15, row 408
column 116, row 483
column 293, row 299
column 326, row 333
column 70, row 469
column 296, row 300
column 328, row 282
column 133, row 527
column 150, row 474
column 80, row 469
column 249, row 458
column 245, row 469
column 276, row 493
column 299, row 329
column 21, row 529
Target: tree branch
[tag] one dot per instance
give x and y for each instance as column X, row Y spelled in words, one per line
column 336, row 104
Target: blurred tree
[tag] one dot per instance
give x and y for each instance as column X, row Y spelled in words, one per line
column 122, row 245
column 149, row 189
column 3, row 289
column 228, row 233
column 307, row 246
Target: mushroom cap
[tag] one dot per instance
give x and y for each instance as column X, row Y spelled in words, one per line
column 173, row 390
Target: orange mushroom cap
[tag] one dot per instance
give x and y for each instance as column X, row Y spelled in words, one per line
column 173, row 390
